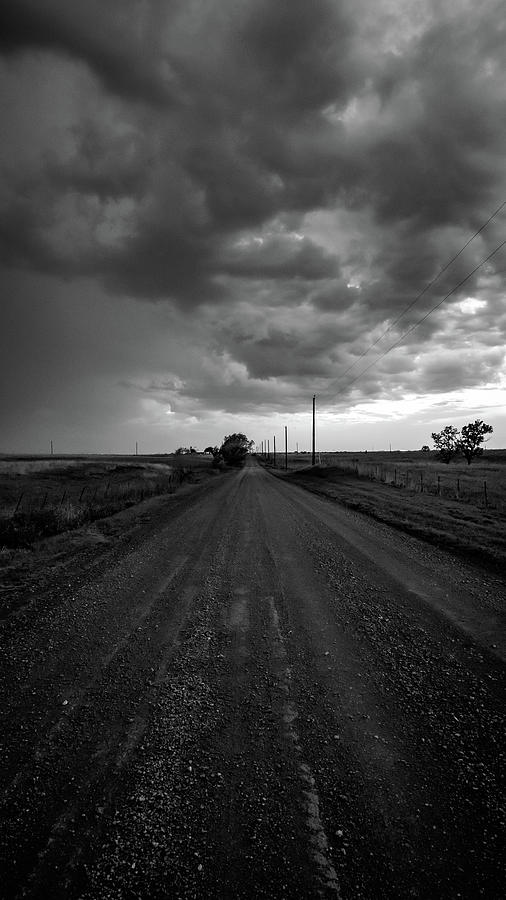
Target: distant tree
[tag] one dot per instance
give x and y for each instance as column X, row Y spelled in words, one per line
column 446, row 443
column 181, row 451
column 425, row 448
column 235, row 448
column 471, row 438
column 212, row 450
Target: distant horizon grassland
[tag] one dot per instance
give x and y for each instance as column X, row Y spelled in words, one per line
column 404, row 468
column 40, row 496
column 492, row 456
column 16, row 461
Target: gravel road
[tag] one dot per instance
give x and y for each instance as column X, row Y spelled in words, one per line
column 244, row 690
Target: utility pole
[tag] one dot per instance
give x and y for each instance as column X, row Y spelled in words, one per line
column 268, row 449
column 313, row 452
column 51, row 448
column 274, row 439
column 136, row 449
column 286, row 448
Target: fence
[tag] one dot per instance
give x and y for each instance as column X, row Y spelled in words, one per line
column 466, row 487
column 39, row 513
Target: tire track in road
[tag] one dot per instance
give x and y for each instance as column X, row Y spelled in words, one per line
column 258, row 573
column 80, row 696
column 255, row 576
column 318, row 840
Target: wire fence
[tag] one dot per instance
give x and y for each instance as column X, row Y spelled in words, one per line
column 32, row 514
column 470, row 488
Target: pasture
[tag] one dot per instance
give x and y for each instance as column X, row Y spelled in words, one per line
column 447, row 505
column 40, row 496
column 483, row 483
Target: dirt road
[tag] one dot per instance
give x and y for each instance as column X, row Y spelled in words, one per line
column 246, row 691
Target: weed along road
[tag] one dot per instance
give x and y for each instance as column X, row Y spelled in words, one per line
column 243, row 690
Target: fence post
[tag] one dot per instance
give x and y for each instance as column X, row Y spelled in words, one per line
column 421, row 482
column 485, row 492
column 439, row 485
column 395, row 476
column 458, row 488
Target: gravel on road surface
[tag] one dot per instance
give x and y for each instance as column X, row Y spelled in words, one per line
column 245, row 691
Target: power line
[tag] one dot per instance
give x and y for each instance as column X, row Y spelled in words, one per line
column 426, row 316
column 424, row 291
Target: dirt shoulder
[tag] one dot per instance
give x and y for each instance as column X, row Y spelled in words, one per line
column 27, row 573
column 476, row 533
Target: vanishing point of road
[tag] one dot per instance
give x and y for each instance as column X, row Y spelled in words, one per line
column 244, row 690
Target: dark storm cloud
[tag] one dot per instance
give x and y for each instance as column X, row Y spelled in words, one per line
column 239, row 152
column 279, row 257
column 335, row 295
column 202, row 140
column 104, row 165
column 439, row 162
column 443, row 372
column 273, row 355
column 115, row 39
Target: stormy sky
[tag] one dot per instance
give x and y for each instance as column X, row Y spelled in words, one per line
column 213, row 209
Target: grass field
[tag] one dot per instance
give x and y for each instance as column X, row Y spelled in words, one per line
column 483, row 483
column 459, row 521
column 40, row 496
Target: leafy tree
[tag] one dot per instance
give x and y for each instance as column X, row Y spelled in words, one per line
column 181, row 451
column 212, row 450
column 471, row 438
column 235, row 448
column 425, row 448
column 446, row 443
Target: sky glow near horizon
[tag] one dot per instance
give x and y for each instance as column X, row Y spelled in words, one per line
column 210, row 212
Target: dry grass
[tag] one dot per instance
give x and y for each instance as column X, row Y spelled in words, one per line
column 418, row 472
column 41, row 497
column 467, row 528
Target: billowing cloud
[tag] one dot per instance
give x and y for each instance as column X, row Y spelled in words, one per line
column 283, row 179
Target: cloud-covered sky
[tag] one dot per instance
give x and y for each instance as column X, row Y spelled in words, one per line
column 213, row 209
